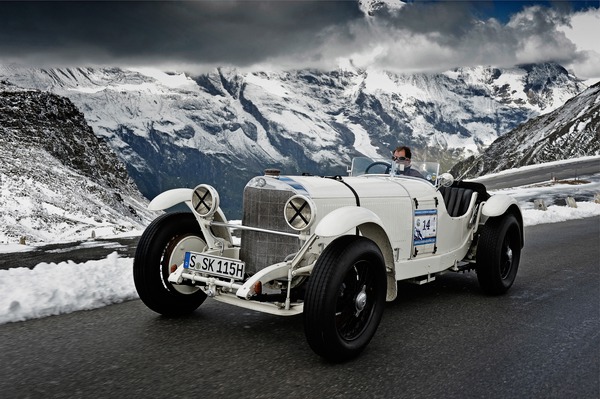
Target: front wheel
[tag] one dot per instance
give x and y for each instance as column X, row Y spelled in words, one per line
column 161, row 248
column 345, row 298
column 498, row 254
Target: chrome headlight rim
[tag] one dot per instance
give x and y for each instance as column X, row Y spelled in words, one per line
column 299, row 212
column 205, row 200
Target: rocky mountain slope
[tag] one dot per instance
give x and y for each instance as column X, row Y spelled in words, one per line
column 571, row 131
column 222, row 128
column 57, row 179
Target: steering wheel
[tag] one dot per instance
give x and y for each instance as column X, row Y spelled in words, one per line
column 387, row 165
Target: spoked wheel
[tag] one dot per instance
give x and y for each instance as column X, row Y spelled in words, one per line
column 160, row 250
column 345, row 298
column 498, row 254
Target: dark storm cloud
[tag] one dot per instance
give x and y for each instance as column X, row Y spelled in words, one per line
column 448, row 18
column 452, row 21
column 286, row 34
column 233, row 32
column 434, row 36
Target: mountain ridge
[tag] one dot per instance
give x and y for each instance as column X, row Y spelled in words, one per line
column 57, row 178
column 222, row 128
column 570, row 131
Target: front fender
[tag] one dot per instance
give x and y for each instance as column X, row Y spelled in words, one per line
column 170, row 198
column 176, row 196
column 498, row 205
column 345, row 219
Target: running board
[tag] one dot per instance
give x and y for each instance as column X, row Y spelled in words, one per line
column 421, row 279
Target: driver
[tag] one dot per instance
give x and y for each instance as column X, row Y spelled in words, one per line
column 402, row 155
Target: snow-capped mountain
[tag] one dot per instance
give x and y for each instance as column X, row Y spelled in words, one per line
column 222, row 128
column 373, row 7
column 57, row 179
column 571, row 131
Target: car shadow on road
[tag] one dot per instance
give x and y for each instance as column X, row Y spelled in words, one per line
column 449, row 285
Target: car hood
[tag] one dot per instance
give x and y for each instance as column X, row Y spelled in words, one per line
column 366, row 186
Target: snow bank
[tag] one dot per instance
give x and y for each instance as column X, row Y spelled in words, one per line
column 556, row 213
column 51, row 289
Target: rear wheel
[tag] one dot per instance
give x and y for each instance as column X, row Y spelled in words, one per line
column 498, row 254
column 162, row 248
column 345, row 298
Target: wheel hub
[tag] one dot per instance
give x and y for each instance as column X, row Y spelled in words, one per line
column 509, row 254
column 361, row 300
column 506, row 264
column 176, row 253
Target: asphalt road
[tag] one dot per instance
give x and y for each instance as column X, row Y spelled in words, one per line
column 441, row 340
column 79, row 252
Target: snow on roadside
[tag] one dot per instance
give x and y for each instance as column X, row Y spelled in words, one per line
column 50, row 289
column 556, row 213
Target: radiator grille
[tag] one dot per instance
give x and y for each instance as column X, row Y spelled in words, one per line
column 263, row 208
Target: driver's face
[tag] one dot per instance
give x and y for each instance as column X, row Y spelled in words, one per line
column 400, row 154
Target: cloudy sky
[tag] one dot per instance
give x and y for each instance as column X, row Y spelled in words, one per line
column 196, row 36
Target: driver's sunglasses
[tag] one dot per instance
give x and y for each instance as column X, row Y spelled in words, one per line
column 398, row 158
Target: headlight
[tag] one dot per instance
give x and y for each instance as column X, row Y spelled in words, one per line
column 205, row 200
column 299, row 212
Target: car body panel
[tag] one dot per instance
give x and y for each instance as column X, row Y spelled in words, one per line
column 170, row 198
column 497, row 205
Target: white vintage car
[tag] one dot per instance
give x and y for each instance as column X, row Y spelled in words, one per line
column 329, row 247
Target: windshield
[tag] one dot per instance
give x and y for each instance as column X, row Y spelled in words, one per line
column 381, row 166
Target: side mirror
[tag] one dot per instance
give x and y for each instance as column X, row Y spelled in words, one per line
column 445, row 180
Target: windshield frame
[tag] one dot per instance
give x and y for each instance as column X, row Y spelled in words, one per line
column 387, row 167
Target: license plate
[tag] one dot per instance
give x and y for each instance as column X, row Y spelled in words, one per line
column 214, row 265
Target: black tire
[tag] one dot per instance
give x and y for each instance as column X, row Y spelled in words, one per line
column 152, row 263
column 498, row 254
column 337, row 324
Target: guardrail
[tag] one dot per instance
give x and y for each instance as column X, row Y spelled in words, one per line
column 539, row 173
